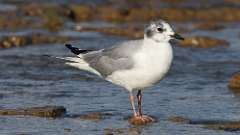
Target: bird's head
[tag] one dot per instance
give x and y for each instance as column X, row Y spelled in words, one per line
column 160, row 31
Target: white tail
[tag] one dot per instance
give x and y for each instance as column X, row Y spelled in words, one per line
column 79, row 63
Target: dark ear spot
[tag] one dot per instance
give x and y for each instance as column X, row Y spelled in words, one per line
column 149, row 33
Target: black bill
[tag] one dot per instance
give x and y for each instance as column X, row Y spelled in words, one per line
column 177, row 36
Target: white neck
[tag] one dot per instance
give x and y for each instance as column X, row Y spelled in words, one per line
column 156, row 40
column 162, row 50
column 152, row 42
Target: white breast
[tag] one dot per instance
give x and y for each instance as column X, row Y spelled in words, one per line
column 152, row 62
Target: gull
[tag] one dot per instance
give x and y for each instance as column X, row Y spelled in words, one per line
column 134, row 65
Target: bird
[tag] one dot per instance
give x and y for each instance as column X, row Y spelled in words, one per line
column 133, row 65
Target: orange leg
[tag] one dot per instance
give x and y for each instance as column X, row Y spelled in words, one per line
column 138, row 118
column 132, row 104
column 139, row 97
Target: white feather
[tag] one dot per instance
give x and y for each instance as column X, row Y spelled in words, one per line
column 79, row 63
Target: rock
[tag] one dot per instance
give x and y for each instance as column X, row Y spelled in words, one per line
column 174, row 1
column 234, row 83
column 38, row 38
column 208, row 26
column 53, row 22
column 33, row 16
column 14, row 22
column 94, row 116
column 178, row 119
column 132, row 32
column 37, row 9
column 126, row 14
column 112, row 131
column 232, row 1
column 226, row 126
column 188, row 14
column 35, row 38
column 139, row 121
column 14, row 41
column 113, row 15
column 209, row 14
column 67, row 129
column 80, row 13
column 203, row 42
column 46, row 111
column 51, row 15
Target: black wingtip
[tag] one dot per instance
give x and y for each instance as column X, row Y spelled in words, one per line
column 76, row 50
column 69, row 46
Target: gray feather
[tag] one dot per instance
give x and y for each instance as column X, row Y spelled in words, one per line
column 118, row 57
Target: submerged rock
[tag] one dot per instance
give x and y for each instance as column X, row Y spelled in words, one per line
column 112, row 131
column 46, row 111
column 93, row 116
column 203, row 42
column 178, row 119
column 226, row 125
column 234, row 83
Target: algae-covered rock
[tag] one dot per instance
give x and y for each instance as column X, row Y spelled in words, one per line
column 110, row 13
column 52, row 21
column 203, row 42
column 179, row 119
column 226, row 126
column 51, row 15
column 14, row 41
column 234, row 83
column 132, row 32
column 80, row 12
column 213, row 26
column 46, row 111
column 112, row 131
column 232, row 1
column 35, row 38
column 94, row 116
column 14, row 22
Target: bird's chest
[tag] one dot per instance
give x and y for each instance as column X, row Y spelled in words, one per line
column 154, row 62
column 150, row 66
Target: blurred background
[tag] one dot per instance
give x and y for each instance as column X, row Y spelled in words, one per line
column 199, row 95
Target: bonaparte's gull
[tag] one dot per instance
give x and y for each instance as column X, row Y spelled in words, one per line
column 133, row 65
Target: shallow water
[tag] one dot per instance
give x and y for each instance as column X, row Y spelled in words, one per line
column 196, row 88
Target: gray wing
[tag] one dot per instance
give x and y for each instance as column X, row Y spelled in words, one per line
column 115, row 58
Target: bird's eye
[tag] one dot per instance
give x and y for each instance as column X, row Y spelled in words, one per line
column 160, row 29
